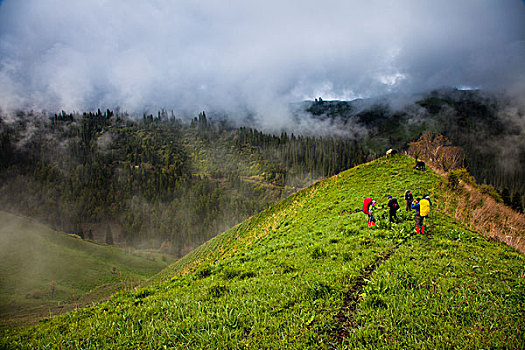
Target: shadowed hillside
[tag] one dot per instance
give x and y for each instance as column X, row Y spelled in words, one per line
column 308, row 273
column 47, row 272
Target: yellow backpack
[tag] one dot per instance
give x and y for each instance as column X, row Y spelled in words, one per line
column 424, row 207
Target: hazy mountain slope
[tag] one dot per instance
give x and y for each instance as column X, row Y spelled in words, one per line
column 308, row 273
column 161, row 183
column 34, row 258
column 488, row 127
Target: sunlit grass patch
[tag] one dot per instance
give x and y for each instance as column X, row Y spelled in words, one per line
column 283, row 280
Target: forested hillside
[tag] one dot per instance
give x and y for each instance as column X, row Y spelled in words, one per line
column 158, row 181
column 168, row 183
column 488, row 128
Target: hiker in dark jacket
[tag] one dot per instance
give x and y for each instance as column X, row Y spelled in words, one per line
column 393, row 206
column 409, row 198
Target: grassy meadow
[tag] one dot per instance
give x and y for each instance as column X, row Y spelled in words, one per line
column 44, row 271
column 308, row 273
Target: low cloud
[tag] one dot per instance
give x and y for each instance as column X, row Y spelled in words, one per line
column 240, row 56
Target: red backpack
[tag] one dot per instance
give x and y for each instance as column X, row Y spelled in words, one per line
column 366, row 204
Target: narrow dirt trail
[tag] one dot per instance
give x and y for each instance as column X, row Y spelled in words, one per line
column 345, row 317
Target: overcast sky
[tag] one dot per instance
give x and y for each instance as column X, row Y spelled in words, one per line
column 227, row 55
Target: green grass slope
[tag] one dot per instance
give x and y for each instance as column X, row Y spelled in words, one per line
column 308, row 274
column 34, row 257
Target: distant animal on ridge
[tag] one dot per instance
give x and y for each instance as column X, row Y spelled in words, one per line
column 420, row 165
column 391, row 152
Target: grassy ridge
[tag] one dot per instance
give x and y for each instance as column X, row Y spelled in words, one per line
column 308, row 273
column 34, row 257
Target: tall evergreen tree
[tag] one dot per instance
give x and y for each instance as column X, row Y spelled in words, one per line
column 109, row 235
column 505, row 195
column 517, row 202
column 90, row 235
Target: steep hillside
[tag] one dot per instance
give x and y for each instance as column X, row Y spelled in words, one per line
column 44, row 271
column 308, row 273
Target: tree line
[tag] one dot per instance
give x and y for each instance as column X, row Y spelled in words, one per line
column 153, row 181
column 163, row 181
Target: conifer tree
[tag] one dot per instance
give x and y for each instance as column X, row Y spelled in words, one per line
column 505, row 195
column 517, row 202
column 109, row 235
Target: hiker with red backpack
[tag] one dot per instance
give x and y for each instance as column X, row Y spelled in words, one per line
column 393, row 207
column 422, row 208
column 368, row 206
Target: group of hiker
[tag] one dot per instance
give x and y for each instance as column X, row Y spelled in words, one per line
column 420, row 205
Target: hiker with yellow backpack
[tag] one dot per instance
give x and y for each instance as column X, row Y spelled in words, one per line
column 422, row 208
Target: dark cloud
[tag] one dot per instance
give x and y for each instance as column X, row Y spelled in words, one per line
column 238, row 55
